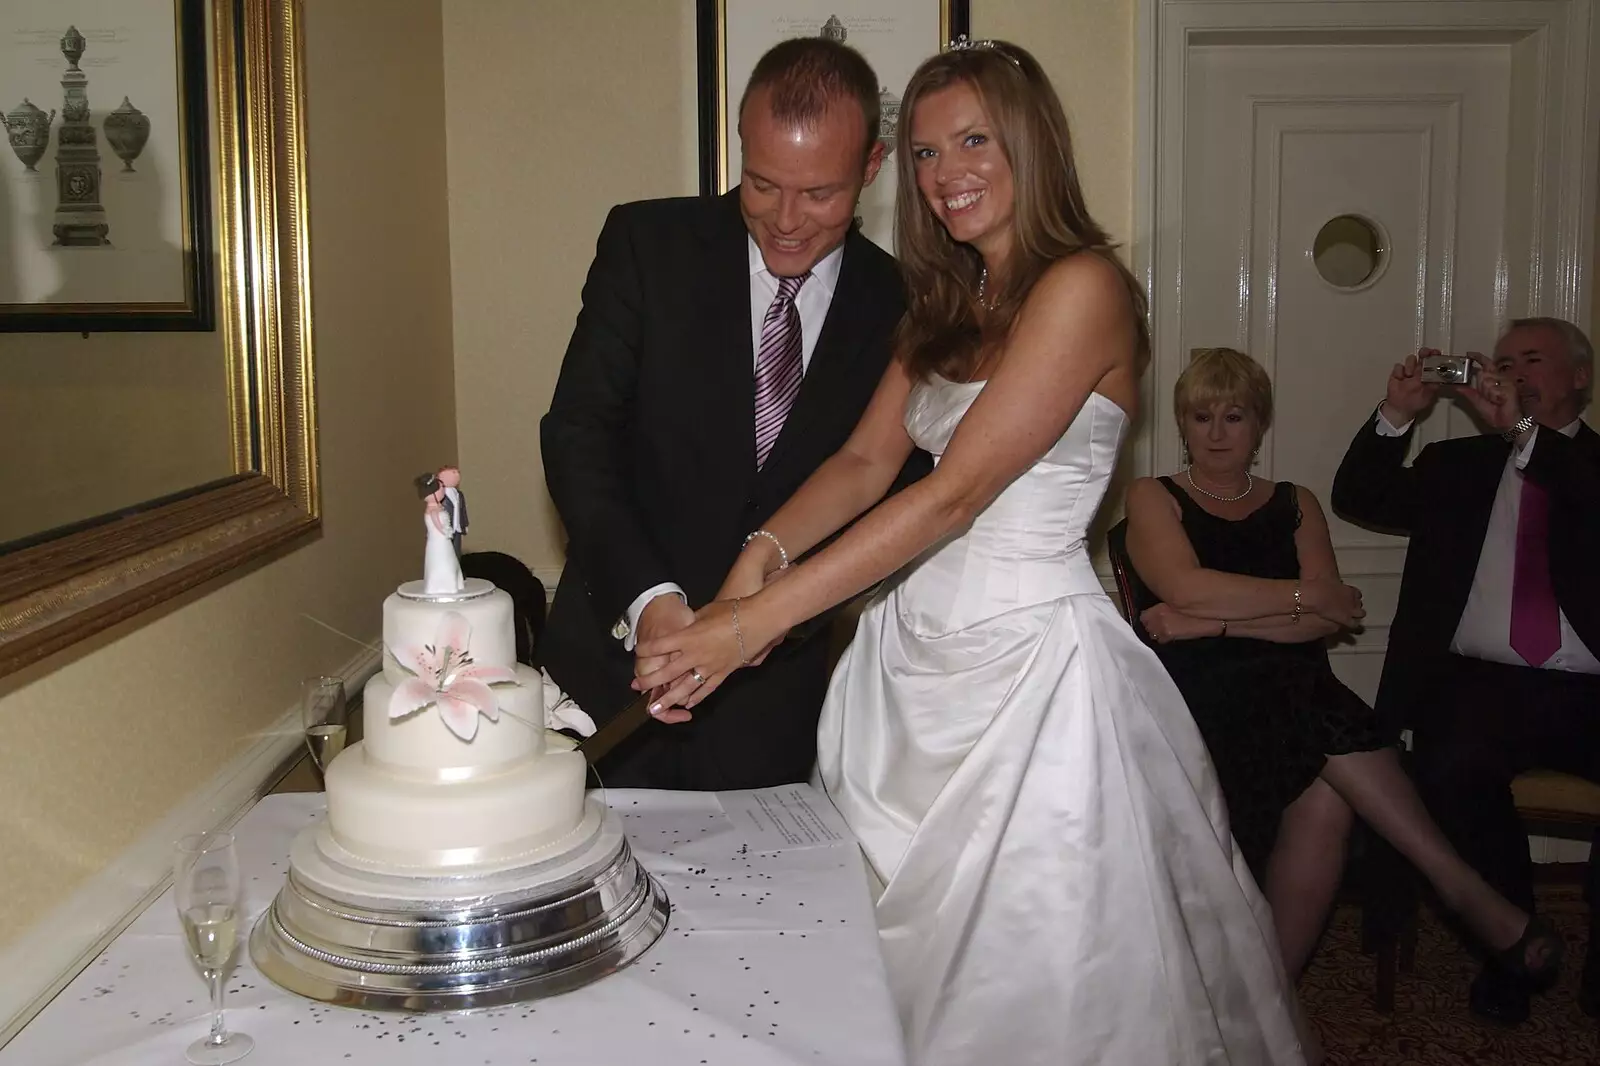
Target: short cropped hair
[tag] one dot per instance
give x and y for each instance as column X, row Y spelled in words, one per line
column 1223, row 375
column 1579, row 349
column 808, row 75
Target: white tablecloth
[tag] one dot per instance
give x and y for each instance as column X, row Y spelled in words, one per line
column 771, row 957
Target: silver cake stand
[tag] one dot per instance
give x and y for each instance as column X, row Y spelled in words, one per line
column 344, row 933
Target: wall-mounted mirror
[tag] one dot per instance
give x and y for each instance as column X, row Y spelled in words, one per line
column 157, row 421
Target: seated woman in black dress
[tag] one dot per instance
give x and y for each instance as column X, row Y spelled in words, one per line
column 1234, row 579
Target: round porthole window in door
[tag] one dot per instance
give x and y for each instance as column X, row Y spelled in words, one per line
column 1349, row 252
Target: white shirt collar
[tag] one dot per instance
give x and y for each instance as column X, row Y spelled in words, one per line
column 825, row 273
column 1571, row 428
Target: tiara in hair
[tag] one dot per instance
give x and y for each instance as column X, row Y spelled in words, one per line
column 964, row 43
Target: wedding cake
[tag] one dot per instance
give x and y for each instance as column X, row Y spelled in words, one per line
column 454, row 770
column 462, row 862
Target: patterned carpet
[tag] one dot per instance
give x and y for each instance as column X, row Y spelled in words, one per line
column 1430, row 1025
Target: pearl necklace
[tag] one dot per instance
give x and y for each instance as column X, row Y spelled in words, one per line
column 1249, row 483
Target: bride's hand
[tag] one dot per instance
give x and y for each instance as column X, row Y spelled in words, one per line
column 745, row 580
column 704, row 654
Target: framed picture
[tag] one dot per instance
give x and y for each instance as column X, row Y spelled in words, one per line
column 895, row 36
column 105, row 191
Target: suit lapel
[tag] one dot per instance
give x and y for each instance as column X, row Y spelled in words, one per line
column 833, row 360
column 1587, row 439
column 728, row 361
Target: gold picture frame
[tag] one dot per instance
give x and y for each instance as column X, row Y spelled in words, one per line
column 59, row 590
column 149, row 47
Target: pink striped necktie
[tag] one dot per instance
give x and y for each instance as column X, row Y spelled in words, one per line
column 778, row 366
column 1535, row 617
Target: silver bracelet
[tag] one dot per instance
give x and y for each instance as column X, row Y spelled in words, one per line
column 782, row 555
column 1298, row 606
column 739, row 633
column 1524, row 424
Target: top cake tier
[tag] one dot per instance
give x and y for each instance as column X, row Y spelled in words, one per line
column 418, row 622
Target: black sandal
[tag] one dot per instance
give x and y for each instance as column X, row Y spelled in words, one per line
column 1514, row 959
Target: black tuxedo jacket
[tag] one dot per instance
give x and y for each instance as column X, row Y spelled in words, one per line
column 1443, row 502
column 649, row 454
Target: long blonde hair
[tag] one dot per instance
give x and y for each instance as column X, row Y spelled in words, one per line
column 940, row 332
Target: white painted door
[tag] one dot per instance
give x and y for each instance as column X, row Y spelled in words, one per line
column 1342, row 206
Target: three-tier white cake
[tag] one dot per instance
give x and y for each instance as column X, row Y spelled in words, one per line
column 453, row 771
column 461, row 863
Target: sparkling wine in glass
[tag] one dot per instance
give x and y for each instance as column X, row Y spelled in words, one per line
column 207, row 889
column 324, row 713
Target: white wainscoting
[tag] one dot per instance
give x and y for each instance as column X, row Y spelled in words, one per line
column 50, row 954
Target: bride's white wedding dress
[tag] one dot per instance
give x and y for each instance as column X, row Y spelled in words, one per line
column 1061, row 884
column 441, row 566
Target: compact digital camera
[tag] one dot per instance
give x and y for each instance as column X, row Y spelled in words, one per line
column 1447, row 370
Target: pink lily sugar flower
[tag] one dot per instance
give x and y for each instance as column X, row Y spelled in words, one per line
column 444, row 676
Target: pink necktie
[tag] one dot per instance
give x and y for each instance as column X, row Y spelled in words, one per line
column 1535, row 618
column 778, row 366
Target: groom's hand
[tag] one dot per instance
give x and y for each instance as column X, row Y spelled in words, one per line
column 662, row 617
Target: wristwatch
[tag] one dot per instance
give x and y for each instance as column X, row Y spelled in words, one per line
column 1524, row 424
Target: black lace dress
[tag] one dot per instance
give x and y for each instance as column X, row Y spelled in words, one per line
column 1270, row 713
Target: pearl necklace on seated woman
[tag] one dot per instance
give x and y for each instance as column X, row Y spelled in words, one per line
column 1249, row 483
column 1189, row 476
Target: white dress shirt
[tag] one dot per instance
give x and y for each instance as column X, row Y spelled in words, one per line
column 1484, row 631
column 812, row 303
column 455, row 508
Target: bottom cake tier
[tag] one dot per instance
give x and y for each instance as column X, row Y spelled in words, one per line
column 405, row 822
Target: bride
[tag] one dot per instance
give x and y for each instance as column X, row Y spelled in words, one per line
column 441, row 566
column 1060, row 882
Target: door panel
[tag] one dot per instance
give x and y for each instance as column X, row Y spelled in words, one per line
column 1278, row 141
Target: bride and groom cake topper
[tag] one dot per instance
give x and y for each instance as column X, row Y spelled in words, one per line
column 445, row 520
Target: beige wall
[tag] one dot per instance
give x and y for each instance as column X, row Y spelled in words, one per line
column 533, row 172
column 103, row 741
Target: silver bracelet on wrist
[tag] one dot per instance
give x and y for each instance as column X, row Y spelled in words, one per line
column 1298, row 606
column 783, row 556
column 739, row 633
column 1522, row 426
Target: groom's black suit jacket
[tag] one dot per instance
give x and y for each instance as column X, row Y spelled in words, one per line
column 1443, row 502
column 649, row 454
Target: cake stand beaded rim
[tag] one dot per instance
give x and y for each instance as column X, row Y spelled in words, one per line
column 645, row 892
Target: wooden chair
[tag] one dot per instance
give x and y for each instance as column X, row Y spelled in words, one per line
column 1117, row 549
column 1550, row 803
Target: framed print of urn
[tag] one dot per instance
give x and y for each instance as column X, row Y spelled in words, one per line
column 105, row 195
column 893, row 35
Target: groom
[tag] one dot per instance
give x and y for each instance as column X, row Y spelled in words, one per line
column 658, row 453
column 455, row 503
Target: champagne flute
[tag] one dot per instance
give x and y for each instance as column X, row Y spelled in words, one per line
column 207, row 890
column 325, row 714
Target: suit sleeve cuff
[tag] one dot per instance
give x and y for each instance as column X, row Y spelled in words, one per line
column 1385, row 429
column 628, row 625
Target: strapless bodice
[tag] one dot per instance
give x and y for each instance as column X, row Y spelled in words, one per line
column 1029, row 545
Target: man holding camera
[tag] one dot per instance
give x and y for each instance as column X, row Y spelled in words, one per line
column 1494, row 654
